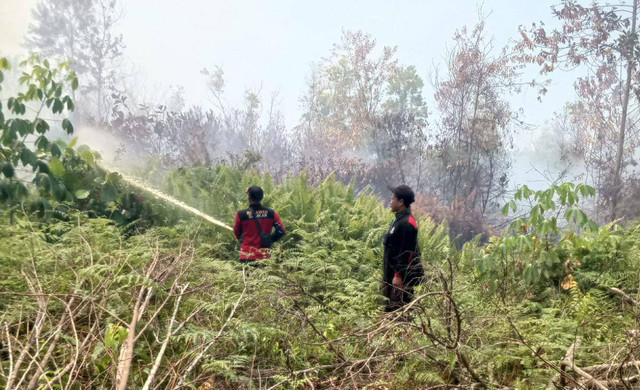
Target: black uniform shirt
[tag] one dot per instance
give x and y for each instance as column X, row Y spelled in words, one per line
column 400, row 245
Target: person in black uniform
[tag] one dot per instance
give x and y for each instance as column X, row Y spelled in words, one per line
column 400, row 250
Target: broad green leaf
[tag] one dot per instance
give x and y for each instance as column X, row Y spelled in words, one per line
column 15, row 128
column 569, row 215
column 108, row 193
column 57, row 106
column 28, row 157
column 42, row 126
column 67, row 126
column 82, row 194
column 505, row 209
column 43, row 180
column 518, row 195
column 42, row 142
column 87, row 156
column 55, row 150
column 42, row 166
column 7, row 170
column 581, row 217
column 5, row 64
column 69, row 102
column 511, row 204
column 56, row 167
column 60, row 193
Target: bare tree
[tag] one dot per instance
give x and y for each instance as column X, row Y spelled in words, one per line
column 602, row 39
column 475, row 121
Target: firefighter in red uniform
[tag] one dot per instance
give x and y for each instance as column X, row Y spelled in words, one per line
column 257, row 228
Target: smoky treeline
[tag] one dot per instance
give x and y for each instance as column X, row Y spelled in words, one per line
column 365, row 116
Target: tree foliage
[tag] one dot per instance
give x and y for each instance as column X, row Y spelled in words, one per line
column 82, row 33
column 26, row 148
column 476, row 122
column 601, row 40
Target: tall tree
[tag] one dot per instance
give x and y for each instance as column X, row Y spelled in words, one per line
column 346, row 92
column 82, row 33
column 400, row 142
column 475, row 121
column 401, row 134
column 404, row 93
column 602, row 39
column 364, row 114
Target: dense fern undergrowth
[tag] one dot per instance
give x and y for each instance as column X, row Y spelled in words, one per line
column 89, row 299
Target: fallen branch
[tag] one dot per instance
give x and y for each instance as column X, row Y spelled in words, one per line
column 618, row 383
column 39, row 322
column 625, row 297
column 590, row 380
column 33, row 383
column 567, row 357
column 126, row 350
column 337, row 366
column 9, row 351
column 163, row 348
column 72, row 363
column 599, row 368
column 569, row 361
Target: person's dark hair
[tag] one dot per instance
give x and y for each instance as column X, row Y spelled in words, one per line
column 403, row 192
column 255, row 193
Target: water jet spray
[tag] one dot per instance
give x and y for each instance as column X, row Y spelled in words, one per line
column 159, row 194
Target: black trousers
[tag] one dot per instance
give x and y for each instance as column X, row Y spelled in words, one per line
column 396, row 297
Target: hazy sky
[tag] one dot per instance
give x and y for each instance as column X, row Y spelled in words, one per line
column 14, row 20
column 273, row 43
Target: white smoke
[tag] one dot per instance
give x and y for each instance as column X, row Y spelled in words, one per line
column 113, row 151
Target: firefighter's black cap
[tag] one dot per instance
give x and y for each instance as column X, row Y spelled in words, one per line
column 255, row 193
column 403, row 192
